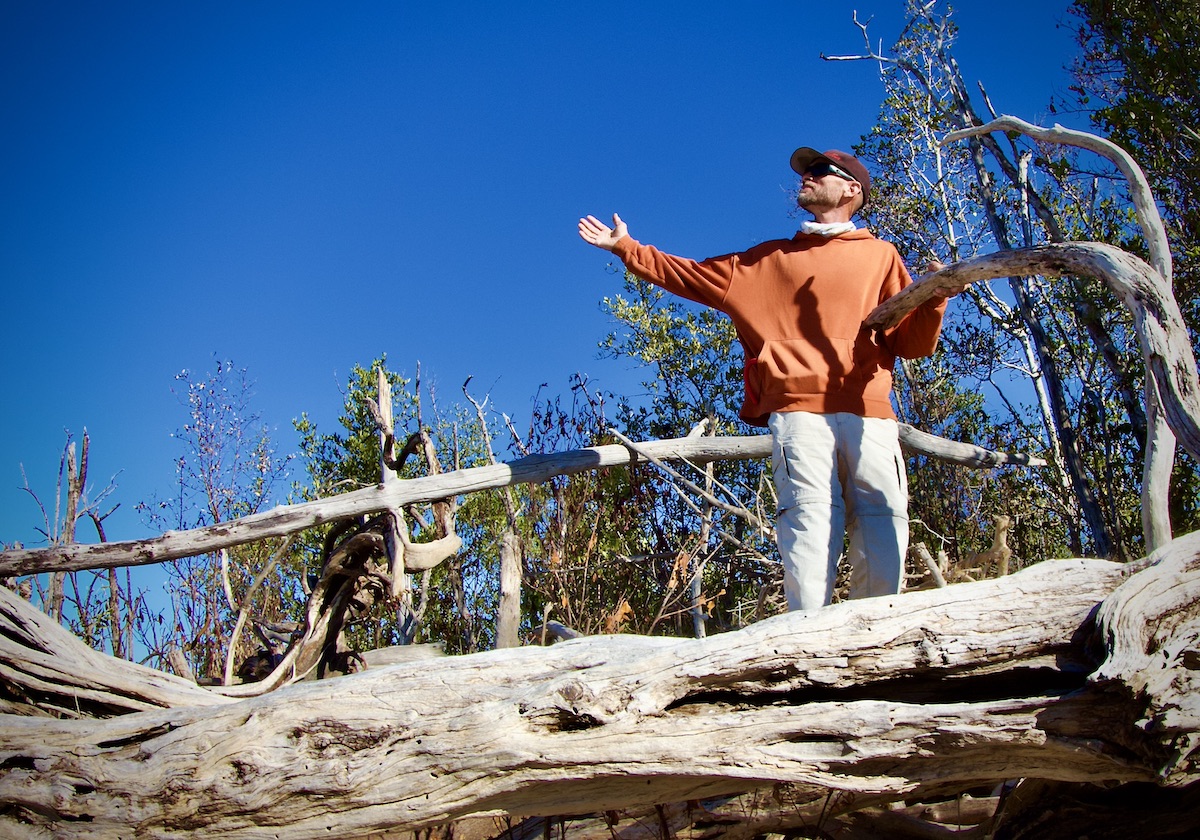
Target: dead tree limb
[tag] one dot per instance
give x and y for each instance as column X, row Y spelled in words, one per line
column 1159, row 459
column 45, row 670
column 289, row 519
column 1148, row 216
column 1160, row 324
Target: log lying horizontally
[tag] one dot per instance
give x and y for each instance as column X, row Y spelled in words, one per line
column 881, row 699
column 290, row 519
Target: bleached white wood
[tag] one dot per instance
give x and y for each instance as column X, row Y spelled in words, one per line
column 886, row 698
column 1149, row 219
column 1166, row 347
column 43, row 663
column 1159, row 459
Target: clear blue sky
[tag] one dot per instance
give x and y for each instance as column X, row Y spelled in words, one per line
column 300, row 187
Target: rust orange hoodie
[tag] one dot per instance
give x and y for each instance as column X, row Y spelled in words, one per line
column 798, row 306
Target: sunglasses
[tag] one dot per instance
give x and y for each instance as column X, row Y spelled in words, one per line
column 823, row 168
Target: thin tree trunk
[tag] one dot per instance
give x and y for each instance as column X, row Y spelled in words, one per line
column 508, row 616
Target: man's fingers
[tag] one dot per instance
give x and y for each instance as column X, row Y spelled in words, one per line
column 592, row 223
column 590, row 228
column 597, row 233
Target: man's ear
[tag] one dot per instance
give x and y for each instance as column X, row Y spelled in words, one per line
column 856, row 192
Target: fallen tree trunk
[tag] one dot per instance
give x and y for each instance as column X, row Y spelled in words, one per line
column 290, row 519
column 877, row 700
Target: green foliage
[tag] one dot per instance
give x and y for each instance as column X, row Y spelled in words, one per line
column 583, row 538
column 337, row 462
column 695, row 366
column 694, row 373
column 1135, row 76
column 582, row 532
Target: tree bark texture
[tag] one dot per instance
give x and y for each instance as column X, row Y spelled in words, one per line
column 1070, row 670
column 508, row 618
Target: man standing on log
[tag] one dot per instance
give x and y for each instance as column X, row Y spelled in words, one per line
column 814, row 374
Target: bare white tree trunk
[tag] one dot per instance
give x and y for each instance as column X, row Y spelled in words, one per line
column 508, row 617
column 1156, row 472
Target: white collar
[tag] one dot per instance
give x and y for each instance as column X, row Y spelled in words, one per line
column 827, row 229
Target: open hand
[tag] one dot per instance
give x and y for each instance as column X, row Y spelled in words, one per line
column 595, row 232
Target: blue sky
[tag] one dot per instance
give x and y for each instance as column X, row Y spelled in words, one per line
column 300, row 187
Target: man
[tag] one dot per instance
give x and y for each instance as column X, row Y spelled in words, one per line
column 814, row 375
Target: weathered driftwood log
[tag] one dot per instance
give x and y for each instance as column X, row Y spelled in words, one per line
column 290, row 519
column 879, row 700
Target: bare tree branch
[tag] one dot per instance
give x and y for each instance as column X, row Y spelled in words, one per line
column 1160, row 325
column 289, row 519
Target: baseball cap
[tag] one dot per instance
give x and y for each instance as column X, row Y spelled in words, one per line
column 804, row 157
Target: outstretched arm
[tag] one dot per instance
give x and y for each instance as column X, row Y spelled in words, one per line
column 703, row 282
column 595, row 232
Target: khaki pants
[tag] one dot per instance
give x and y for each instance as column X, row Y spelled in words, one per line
column 837, row 474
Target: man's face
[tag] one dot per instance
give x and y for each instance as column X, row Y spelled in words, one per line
column 821, row 189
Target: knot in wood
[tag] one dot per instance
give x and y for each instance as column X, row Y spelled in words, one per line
column 573, row 691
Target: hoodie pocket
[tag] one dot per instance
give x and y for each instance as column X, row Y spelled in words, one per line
column 796, row 367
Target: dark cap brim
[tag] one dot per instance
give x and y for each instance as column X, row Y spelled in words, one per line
column 805, row 157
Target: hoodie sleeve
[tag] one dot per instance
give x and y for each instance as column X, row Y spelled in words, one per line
column 918, row 334
column 705, row 282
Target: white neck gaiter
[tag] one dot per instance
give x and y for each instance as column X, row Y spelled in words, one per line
column 830, row 229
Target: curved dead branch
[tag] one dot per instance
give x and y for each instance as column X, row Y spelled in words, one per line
column 1149, row 219
column 1159, row 460
column 1159, row 323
